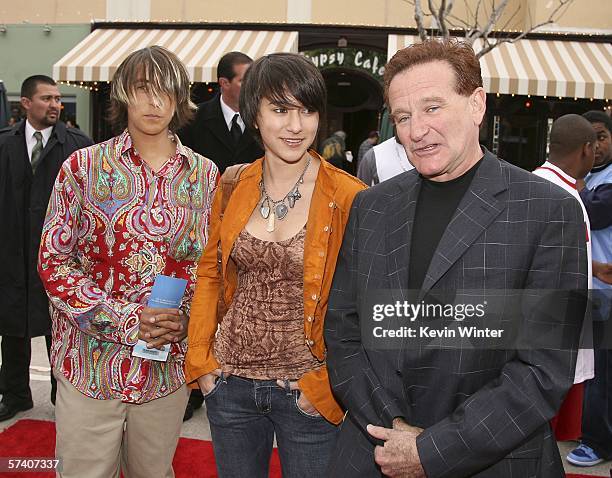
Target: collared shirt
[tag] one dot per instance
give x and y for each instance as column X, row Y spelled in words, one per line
column 329, row 211
column 31, row 140
column 597, row 198
column 112, row 226
column 228, row 115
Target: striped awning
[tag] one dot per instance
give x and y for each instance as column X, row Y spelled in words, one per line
column 97, row 56
column 553, row 68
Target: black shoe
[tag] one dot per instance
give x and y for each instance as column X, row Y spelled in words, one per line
column 9, row 411
column 188, row 411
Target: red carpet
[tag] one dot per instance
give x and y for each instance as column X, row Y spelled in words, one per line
column 36, row 438
column 572, row 475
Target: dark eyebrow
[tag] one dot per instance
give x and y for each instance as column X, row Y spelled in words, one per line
column 433, row 99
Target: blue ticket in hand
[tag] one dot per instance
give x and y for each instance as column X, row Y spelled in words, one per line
column 167, row 293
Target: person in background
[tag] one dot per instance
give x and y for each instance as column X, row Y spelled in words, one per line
column 596, row 442
column 218, row 130
column 384, row 161
column 70, row 123
column 31, row 154
column 122, row 213
column 262, row 365
column 366, row 145
column 572, row 152
column 333, row 149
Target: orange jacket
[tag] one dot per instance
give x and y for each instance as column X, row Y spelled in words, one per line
column 329, row 209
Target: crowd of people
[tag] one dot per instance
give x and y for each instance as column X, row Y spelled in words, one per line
column 281, row 254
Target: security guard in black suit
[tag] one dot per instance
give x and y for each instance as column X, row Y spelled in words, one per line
column 31, row 154
column 217, row 131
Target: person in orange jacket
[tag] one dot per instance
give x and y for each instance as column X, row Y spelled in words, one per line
column 262, row 366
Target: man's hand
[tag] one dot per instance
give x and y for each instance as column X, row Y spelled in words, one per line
column 399, row 456
column 603, row 271
column 159, row 327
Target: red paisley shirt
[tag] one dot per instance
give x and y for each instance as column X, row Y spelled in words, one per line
column 112, row 226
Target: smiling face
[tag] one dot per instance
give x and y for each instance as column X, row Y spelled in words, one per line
column 147, row 114
column 437, row 126
column 44, row 108
column 286, row 131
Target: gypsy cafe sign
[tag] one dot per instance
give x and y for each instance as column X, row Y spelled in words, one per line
column 371, row 61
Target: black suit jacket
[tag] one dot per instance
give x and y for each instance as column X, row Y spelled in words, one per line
column 209, row 136
column 24, row 307
column 484, row 412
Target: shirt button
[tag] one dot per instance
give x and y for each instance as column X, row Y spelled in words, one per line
column 314, row 296
column 331, row 204
column 310, row 342
column 309, row 318
column 326, row 228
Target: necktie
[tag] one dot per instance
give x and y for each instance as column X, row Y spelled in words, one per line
column 36, row 151
column 235, row 130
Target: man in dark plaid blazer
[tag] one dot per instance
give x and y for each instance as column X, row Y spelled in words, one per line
column 463, row 219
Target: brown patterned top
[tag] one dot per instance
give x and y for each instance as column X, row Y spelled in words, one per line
column 262, row 334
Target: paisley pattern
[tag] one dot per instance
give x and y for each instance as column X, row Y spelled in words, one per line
column 262, row 334
column 112, row 226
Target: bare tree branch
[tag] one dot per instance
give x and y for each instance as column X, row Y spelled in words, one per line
column 449, row 6
column 476, row 17
column 468, row 9
column 418, row 17
column 518, row 9
column 445, row 19
column 458, row 20
column 495, row 14
column 442, row 19
column 488, row 45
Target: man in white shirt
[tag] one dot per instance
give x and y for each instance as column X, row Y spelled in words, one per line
column 31, row 154
column 572, row 153
column 383, row 161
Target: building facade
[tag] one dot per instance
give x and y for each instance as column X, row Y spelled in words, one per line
column 564, row 67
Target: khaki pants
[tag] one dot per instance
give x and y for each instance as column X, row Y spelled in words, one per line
column 97, row 438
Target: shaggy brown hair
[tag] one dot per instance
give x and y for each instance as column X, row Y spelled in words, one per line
column 164, row 74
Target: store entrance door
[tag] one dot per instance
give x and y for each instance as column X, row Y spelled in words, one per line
column 353, row 77
column 353, row 106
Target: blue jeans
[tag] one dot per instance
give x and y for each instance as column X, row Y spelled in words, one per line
column 244, row 415
column 597, row 406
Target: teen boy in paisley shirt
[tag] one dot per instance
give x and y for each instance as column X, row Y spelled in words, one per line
column 121, row 213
